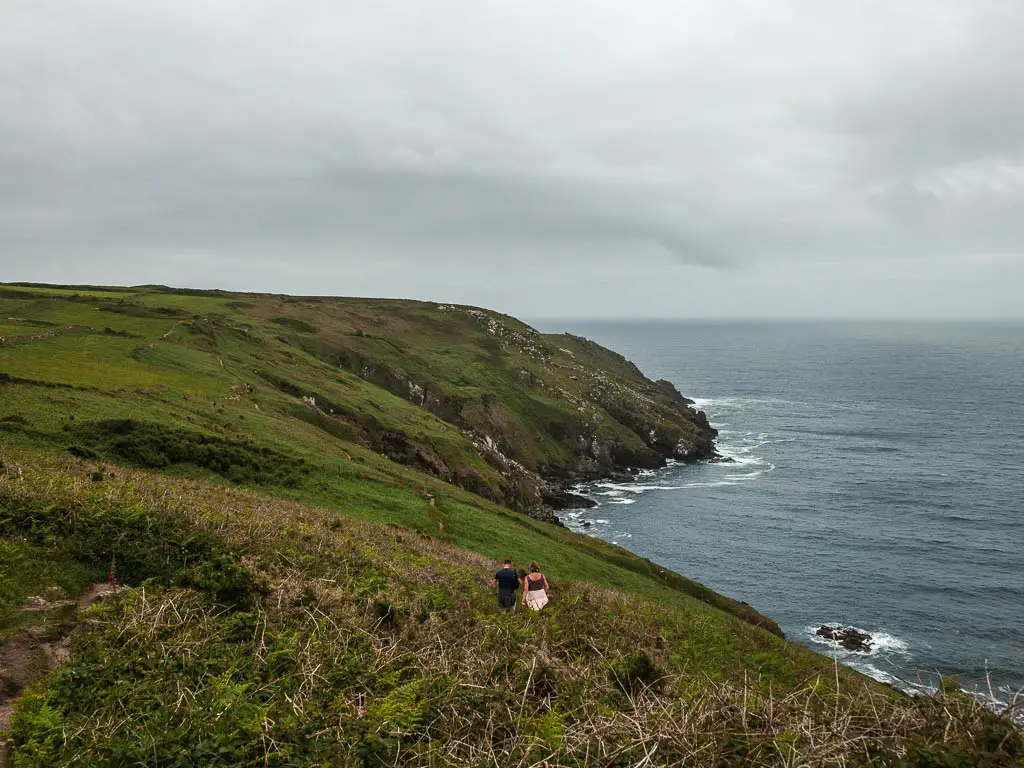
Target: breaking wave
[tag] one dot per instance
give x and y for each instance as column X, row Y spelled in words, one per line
column 882, row 643
column 890, row 661
column 745, row 463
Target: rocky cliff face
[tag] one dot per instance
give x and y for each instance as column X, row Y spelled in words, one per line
column 544, row 410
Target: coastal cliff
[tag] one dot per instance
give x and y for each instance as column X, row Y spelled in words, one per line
column 489, row 403
column 293, row 507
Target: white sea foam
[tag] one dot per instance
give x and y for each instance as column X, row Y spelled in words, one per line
column 892, row 677
column 886, row 643
column 878, row 674
column 615, row 491
column 881, row 642
column 746, row 476
column 703, row 403
column 997, row 703
column 711, row 403
column 622, row 501
column 745, row 448
column 888, row 649
column 884, row 647
column 715, row 403
column 742, row 459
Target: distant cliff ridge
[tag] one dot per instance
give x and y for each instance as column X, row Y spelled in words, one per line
column 489, row 403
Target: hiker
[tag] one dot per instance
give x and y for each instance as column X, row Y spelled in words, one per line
column 506, row 582
column 535, row 591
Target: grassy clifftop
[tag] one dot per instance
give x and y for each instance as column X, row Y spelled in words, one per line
column 302, row 501
column 473, row 397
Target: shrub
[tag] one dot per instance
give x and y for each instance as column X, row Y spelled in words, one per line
column 635, row 672
column 155, row 446
column 82, row 452
column 294, row 323
column 406, row 709
column 143, row 545
column 126, row 307
column 388, row 614
column 949, row 684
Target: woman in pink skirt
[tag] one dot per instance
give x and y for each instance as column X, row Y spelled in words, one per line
column 535, row 590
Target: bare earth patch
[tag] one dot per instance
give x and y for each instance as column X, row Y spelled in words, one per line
column 30, row 654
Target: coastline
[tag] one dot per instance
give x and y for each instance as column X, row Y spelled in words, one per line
column 880, row 664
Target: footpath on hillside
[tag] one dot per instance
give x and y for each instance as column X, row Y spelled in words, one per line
column 29, row 654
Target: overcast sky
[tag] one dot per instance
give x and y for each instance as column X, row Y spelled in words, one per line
column 543, row 157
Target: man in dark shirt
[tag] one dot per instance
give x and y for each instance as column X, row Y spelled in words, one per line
column 506, row 581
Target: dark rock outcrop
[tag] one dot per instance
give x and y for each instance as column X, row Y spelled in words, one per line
column 668, row 389
column 562, row 499
column 849, row 638
column 539, row 409
column 544, row 514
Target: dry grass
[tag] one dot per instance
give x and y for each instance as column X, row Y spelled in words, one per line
column 522, row 717
column 374, row 645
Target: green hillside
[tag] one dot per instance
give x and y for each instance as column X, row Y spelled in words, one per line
column 302, row 501
column 472, row 397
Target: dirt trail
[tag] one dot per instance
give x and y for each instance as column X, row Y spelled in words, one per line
column 31, row 653
column 99, row 591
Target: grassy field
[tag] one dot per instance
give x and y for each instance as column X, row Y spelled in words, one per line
column 302, row 513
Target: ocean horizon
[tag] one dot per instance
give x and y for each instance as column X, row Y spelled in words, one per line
column 875, row 483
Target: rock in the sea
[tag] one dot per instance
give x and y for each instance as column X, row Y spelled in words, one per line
column 848, row 637
column 560, row 499
column 621, row 476
column 720, row 459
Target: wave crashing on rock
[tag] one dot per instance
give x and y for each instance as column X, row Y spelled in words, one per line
column 849, row 638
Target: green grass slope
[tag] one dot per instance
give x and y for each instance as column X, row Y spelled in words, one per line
column 252, row 631
column 473, row 397
column 303, row 500
column 214, row 386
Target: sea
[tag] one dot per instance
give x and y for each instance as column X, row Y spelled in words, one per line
column 878, row 483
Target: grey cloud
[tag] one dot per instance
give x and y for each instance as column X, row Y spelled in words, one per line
column 587, row 138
